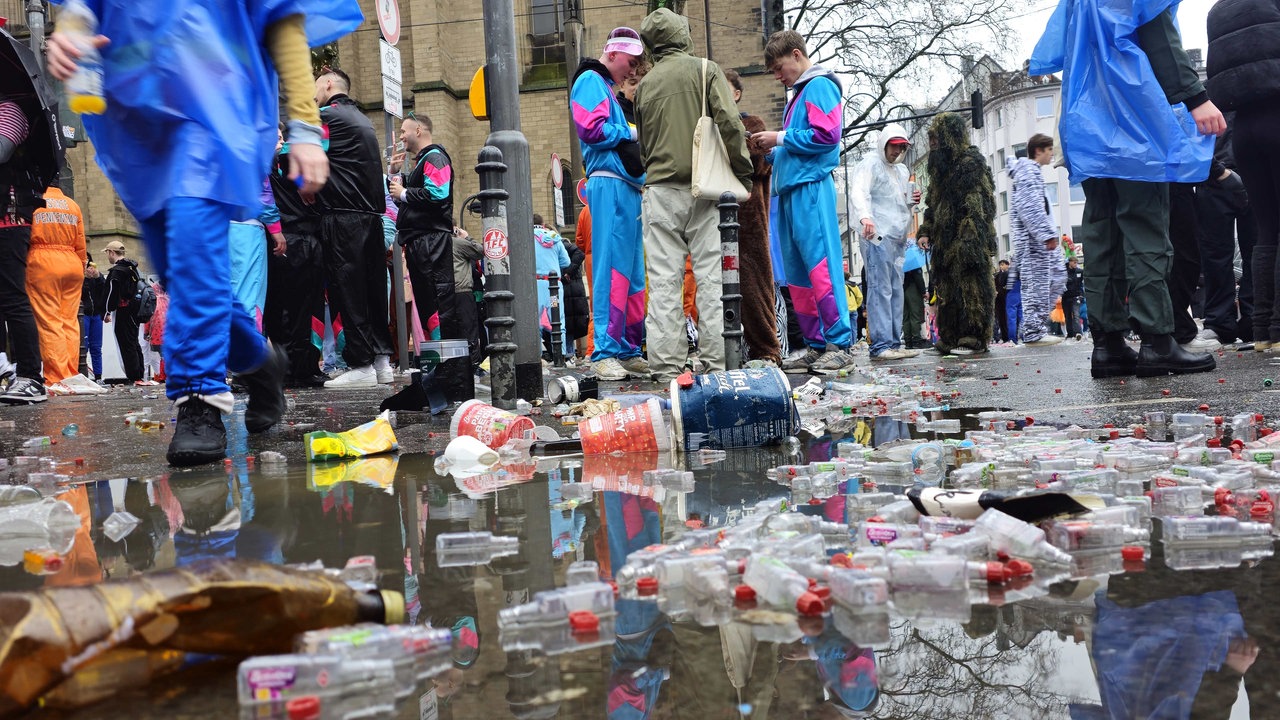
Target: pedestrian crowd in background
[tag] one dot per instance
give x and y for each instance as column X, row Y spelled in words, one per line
column 295, row 292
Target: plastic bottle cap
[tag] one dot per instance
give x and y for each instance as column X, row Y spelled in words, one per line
column 306, row 707
column 810, row 604
column 583, row 621
column 744, row 593
column 1221, row 496
column 1133, row 553
column 1258, row 418
column 647, row 586
column 393, row 604
column 844, row 560
column 812, row 584
column 684, row 381
column 1203, row 407
column 1213, row 443
column 998, row 573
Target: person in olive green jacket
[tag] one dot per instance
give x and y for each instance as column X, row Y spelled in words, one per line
column 668, row 103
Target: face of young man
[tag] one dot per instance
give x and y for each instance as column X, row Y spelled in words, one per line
column 621, row 65
column 1044, row 155
column 893, row 151
column 788, row 68
column 411, row 135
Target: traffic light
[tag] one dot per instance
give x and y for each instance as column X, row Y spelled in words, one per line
column 975, row 109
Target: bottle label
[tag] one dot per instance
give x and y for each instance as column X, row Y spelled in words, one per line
column 880, row 534
column 269, row 683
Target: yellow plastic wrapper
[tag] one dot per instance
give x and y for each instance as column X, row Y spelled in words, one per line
column 379, row 472
column 371, row 438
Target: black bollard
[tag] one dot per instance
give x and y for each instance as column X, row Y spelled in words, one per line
column 729, row 281
column 498, row 296
column 557, row 327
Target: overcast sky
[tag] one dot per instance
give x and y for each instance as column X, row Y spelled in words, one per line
column 1191, row 21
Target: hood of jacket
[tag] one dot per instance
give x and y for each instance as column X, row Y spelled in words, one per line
column 592, row 65
column 887, row 133
column 127, row 263
column 815, row 71
column 666, row 33
column 1019, row 168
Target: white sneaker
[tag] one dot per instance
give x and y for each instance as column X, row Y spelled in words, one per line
column 1205, row 341
column 361, row 378
column 890, row 354
column 382, row 367
column 904, row 352
column 609, row 369
column 1045, row 341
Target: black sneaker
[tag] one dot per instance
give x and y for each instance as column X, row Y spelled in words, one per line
column 24, row 391
column 266, row 391
column 199, row 437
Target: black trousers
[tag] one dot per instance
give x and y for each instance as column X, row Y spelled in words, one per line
column 294, row 314
column 124, row 324
column 1071, row 316
column 1184, row 272
column 468, row 313
column 1217, row 234
column 1257, row 149
column 356, row 275
column 912, row 306
column 15, row 306
column 429, row 259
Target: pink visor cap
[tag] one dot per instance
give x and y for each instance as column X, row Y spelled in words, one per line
column 628, row 45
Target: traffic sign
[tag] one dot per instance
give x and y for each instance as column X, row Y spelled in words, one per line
column 392, row 101
column 582, row 191
column 390, row 57
column 389, row 20
column 557, row 171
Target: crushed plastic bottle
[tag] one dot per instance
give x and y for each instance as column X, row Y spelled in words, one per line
column 271, row 457
column 1010, row 535
column 473, row 548
column 119, row 524
column 71, row 430
column 46, row 524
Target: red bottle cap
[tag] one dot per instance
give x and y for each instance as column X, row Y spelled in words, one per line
column 844, row 560
column 614, row 585
column 1263, row 432
column 1029, row 420
column 685, row 380
column 306, row 707
column 744, row 593
column 1114, row 435
column 1264, row 496
column 998, row 573
column 812, row 583
column 823, row 592
column 647, row 586
column 582, row 622
column 1213, row 443
column 1258, row 418
column 1133, row 553
column 815, row 501
column 1221, row 496
column 1203, row 407
column 1140, row 432
column 810, row 604
column 53, row 564
column 1020, row 568
column 875, row 519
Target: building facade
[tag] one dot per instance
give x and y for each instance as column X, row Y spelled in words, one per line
column 442, row 46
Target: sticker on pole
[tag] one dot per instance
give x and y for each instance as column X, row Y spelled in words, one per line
column 495, row 244
column 582, row 191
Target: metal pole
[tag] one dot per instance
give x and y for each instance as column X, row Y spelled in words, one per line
column 403, row 335
column 503, row 73
column 557, row 327
column 732, row 291
column 572, row 58
column 35, row 22
column 497, row 273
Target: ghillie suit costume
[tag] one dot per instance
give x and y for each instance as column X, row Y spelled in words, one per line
column 960, row 226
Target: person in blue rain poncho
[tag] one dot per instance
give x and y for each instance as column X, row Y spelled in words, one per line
column 1135, row 117
column 550, row 257
column 186, row 140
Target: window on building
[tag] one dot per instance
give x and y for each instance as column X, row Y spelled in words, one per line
column 1004, row 202
column 1051, row 189
column 999, row 160
column 1020, row 150
column 545, row 16
column 543, row 49
column 999, row 117
column 1075, row 234
column 1044, row 106
column 1004, row 245
column 1077, row 193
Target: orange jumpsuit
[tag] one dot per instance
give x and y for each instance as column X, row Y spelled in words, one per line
column 55, row 277
column 582, row 238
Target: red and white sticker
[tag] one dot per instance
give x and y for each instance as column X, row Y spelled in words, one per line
column 495, row 244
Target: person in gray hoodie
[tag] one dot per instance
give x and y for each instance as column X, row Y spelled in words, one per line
column 882, row 199
column 1039, row 264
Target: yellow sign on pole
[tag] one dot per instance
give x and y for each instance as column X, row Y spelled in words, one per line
column 477, row 96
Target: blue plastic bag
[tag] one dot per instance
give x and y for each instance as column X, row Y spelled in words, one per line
column 1115, row 120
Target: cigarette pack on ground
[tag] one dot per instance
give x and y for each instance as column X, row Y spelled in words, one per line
column 371, row 438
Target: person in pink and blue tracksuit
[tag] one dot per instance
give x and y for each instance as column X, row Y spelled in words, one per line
column 615, row 176
column 804, row 154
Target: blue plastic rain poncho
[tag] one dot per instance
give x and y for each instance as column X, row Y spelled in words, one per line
column 1115, row 120
column 177, row 109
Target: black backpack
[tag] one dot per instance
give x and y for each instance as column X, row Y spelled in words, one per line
column 144, row 299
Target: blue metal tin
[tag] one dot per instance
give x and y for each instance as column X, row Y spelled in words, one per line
column 733, row 409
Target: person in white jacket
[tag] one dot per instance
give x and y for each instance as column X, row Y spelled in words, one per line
column 882, row 200
column 1040, row 265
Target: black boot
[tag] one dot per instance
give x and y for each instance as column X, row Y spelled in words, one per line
column 1160, row 355
column 266, row 391
column 1112, row 357
column 199, row 436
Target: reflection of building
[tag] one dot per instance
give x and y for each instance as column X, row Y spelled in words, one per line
column 442, row 46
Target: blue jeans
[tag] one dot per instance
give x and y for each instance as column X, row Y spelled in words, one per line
column 1014, row 308
column 884, row 292
column 93, row 339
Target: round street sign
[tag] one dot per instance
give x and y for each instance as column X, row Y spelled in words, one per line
column 557, row 171
column 389, row 20
column 582, row 191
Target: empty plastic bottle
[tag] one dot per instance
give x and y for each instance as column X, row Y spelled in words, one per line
column 473, row 548
column 1073, row 535
column 1178, row 500
column 1019, row 539
column 343, row 687
column 48, row 523
column 1213, row 529
column 84, row 87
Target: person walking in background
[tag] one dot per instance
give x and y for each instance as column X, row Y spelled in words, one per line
column 550, row 258
column 582, row 238
column 882, row 198
column 1126, row 214
column 1035, row 240
column 913, row 297
column 576, row 310
column 1224, row 219
column 1071, row 297
column 122, row 308
column 92, row 296
column 351, row 233
column 466, row 251
column 55, row 281
column 755, row 263
column 184, row 166
column 153, row 333
column 804, row 154
column 615, row 176
column 1002, row 298
column 677, row 91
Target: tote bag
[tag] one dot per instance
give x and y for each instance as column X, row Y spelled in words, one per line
column 712, row 175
